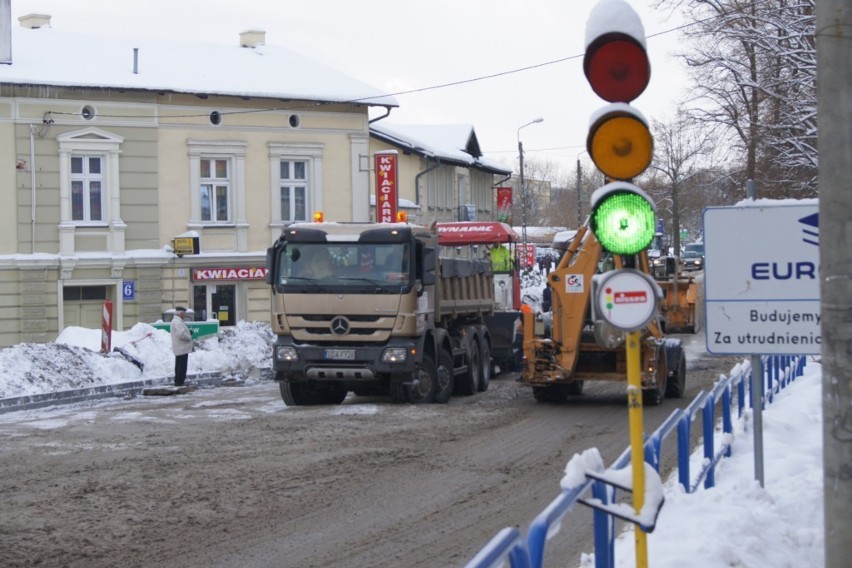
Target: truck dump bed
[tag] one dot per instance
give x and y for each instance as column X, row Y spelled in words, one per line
column 466, row 286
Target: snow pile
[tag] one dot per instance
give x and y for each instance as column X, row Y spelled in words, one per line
column 74, row 360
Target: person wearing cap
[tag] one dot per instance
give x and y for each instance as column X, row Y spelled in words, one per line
column 181, row 344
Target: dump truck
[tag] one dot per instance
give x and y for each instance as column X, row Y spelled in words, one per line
column 372, row 308
column 580, row 349
column 497, row 242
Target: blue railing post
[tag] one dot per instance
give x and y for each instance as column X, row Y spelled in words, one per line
column 727, row 422
column 653, row 449
column 604, row 528
column 741, row 395
column 683, row 429
column 708, row 427
column 767, row 389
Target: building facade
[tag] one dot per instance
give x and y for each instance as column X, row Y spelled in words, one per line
column 117, row 155
column 443, row 175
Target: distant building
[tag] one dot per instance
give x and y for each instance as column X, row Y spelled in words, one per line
column 442, row 171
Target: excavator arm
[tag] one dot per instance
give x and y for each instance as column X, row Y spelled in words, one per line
column 556, row 357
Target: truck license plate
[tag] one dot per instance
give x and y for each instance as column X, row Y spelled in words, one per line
column 340, row 354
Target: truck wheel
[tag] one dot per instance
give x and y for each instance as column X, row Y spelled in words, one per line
column 485, row 367
column 443, row 377
column 306, row 394
column 676, row 383
column 423, row 387
column 296, row 394
column 469, row 382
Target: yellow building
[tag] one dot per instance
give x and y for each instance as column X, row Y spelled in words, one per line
column 114, row 148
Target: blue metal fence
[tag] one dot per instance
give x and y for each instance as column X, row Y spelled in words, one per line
column 508, row 544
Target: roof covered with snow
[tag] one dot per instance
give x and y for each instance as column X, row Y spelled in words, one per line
column 448, row 143
column 47, row 56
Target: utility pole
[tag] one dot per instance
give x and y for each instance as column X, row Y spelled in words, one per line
column 834, row 111
column 579, row 194
column 524, row 187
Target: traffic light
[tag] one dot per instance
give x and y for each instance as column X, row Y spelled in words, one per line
column 622, row 218
column 619, row 142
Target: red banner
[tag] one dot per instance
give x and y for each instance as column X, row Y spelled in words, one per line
column 504, row 205
column 387, row 195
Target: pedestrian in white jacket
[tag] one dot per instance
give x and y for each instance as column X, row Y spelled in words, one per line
column 181, row 344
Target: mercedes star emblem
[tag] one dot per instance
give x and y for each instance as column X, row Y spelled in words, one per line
column 340, row 325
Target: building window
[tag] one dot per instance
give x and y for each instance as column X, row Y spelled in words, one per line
column 84, row 293
column 217, row 186
column 294, row 190
column 296, row 177
column 215, row 190
column 90, row 189
column 87, row 183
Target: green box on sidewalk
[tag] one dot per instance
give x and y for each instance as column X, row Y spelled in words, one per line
column 199, row 329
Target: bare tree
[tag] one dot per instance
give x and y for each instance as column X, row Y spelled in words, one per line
column 541, row 178
column 680, row 146
column 753, row 66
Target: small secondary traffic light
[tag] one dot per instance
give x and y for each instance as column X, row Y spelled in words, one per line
column 620, row 143
column 622, row 218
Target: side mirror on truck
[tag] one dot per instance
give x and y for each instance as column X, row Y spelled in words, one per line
column 428, row 265
column 272, row 260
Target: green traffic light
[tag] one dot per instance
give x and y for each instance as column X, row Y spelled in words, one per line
column 623, row 223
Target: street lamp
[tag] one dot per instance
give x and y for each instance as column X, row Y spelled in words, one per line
column 523, row 185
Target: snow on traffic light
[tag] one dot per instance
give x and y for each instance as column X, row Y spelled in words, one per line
column 619, row 140
column 616, row 63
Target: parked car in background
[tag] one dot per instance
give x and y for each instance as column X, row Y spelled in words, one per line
column 692, row 260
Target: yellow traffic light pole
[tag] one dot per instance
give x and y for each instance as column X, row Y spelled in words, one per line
column 637, row 455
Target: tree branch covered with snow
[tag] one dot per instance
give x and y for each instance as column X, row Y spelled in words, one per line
column 753, row 69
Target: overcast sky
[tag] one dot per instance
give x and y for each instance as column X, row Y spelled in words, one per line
column 399, row 46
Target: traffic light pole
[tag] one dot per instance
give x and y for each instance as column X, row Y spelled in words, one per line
column 637, row 454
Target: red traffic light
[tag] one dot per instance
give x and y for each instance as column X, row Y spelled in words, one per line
column 617, row 67
column 615, row 62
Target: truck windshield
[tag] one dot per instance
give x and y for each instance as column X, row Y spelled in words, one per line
column 344, row 265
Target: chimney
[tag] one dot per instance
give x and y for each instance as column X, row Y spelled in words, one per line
column 35, row 21
column 252, row 38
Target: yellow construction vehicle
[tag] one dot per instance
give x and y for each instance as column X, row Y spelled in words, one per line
column 680, row 305
column 580, row 349
column 681, row 292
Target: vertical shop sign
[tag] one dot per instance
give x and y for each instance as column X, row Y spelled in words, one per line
column 387, row 194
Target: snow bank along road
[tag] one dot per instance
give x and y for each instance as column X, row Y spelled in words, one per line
column 232, row 477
